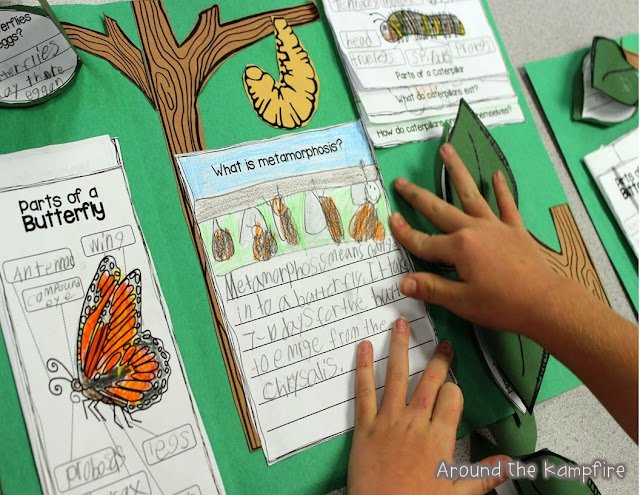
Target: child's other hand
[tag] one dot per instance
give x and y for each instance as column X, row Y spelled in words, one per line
column 398, row 449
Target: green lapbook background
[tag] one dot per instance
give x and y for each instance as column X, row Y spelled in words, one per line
column 552, row 80
column 102, row 101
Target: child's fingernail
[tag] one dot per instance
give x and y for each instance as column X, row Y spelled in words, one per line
column 447, row 149
column 408, row 286
column 445, row 348
column 365, row 346
column 402, row 325
column 397, row 220
column 499, row 176
column 401, row 182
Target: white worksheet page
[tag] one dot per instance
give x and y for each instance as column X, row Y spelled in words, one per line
column 615, row 169
column 406, row 43
column 304, row 267
column 102, row 386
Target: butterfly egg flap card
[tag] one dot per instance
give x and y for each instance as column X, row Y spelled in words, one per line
column 303, row 266
column 103, row 390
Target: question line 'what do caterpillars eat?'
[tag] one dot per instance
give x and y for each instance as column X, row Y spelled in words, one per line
column 277, row 158
column 57, row 210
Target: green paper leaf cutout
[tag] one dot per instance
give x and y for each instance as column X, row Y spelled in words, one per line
column 37, row 60
column 611, row 73
column 516, row 435
column 481, row 447
column 578, row 94
column 521, row 361
column 481, row 155
column 553, row 485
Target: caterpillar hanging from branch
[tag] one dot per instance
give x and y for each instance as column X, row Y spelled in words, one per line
column 406, row 22
column 291, row 101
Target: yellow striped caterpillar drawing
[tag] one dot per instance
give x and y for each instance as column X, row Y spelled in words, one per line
column 406, row 22
column 291, row 101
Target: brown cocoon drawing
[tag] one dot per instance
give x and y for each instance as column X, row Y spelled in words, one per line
column 364, row 224
column 222, row 245
column 283, row 221
column 332, row 216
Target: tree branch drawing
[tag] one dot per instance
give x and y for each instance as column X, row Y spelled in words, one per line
column 171, row 75
column 573, row 259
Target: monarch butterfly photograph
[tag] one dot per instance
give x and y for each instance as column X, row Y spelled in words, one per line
column 409, row 23
column 365, row 224
column 118, row 364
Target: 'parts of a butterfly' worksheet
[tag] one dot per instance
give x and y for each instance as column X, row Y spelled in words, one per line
column 102, row 386
column 304, row 267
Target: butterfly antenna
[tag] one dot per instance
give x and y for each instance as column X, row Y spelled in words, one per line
column 53, row 366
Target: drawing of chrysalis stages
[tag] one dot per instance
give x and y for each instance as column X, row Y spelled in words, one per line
column 255, row 230
column 406, row 22
column 290, row 102
column 320, row 213
column 222, row 243
column 364, row 224
column 283, row 220
column 118, row 364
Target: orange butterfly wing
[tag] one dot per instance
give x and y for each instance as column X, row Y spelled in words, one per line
column 123, row 365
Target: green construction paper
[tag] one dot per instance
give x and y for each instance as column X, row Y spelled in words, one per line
column 45, row 12
column 516, row 435
column 611, row 73
column 103, row 101
column 553, row 485
column 577, row 139
column 481, row 155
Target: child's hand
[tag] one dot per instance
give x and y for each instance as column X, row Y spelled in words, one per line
column 504, row 282
column 398, row 450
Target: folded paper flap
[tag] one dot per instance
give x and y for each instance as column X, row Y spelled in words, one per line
column 37, row 60
column 612, row 73
column 57, row 162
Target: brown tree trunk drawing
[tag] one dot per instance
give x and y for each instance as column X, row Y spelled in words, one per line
column 573, row 259
column 171, row 75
